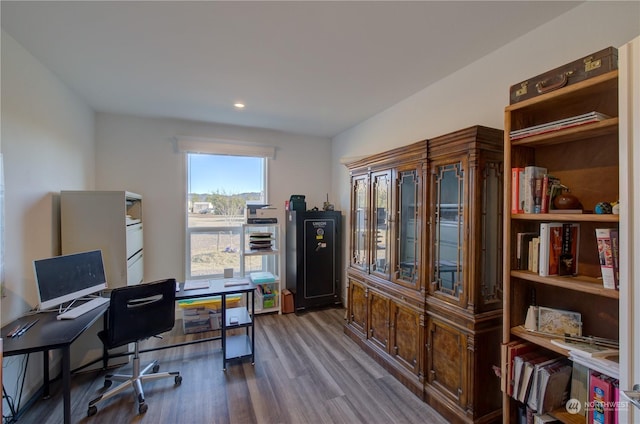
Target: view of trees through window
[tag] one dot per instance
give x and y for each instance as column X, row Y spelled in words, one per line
column 218, row 189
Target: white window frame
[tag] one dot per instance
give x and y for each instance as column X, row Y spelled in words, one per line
column 200, row 145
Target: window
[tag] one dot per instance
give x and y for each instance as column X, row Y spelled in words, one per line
column 219, row 187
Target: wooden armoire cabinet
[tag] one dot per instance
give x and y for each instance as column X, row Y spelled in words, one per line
column 424, row 275
column 386, row 303
column 464, row 274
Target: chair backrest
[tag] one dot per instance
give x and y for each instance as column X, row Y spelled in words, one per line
column 141, row 311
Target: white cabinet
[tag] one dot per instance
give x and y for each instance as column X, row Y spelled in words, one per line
column 110, row 221
column 260, row 252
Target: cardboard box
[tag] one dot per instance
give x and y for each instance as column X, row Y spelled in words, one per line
column 287, row 301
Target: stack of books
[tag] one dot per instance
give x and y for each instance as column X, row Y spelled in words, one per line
column 558, row 125
column 543, row 382
column 537, row 379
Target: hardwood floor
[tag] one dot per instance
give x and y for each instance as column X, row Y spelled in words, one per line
column 306, row 371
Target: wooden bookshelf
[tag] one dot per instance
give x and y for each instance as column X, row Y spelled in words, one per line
column 584, row 158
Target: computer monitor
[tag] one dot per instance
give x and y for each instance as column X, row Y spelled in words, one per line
column 61, row 279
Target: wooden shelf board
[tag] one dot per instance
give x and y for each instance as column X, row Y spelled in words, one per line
column 543, row 341
column 579, row 283
column 562, row 415
column 567, row 217
column 267, row 310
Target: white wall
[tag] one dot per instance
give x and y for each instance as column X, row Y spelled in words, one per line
column 478, row 93
column 139, row 155
column 47, row 145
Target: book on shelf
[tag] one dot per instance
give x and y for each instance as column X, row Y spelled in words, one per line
column 544, row 419
column 527, row 377
column 557, row 125
column 522, row 249
column 546, row 181
column 550, row 248
column 534, row 254
column 537, row 195
column 517, row 190
column 513, row 349
column 604, row 239
column 580, row 385
column 554, row 385
column 586, row 349
column 615, row 250
column 609, row 366
column 558, row 321
column 541, row 380
column 616, row 399
column 533, row 400
column 531, row 174
column 568, row 260
column 518, row 371
column 601, row 399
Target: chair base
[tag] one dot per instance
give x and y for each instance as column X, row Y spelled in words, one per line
column 135, row 380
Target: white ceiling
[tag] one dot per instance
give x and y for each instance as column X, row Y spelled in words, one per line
column 315, row 68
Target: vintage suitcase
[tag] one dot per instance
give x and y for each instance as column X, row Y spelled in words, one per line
column 579, row 70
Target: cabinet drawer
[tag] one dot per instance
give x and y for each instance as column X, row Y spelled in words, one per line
column 134, row 239
column 135, row 269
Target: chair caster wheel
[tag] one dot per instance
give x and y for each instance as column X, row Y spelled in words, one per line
column 107, row 384
column 178, row 380
column 143, row 408
column 93, row 410
column 156, row 368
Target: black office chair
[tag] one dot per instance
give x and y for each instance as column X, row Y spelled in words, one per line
column 137, row 313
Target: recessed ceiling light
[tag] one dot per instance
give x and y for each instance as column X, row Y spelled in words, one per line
column 239, row 105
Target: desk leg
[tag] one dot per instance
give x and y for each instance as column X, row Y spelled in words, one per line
column 223, row 331
column 66, row 382
column 45, row 374
column 253, row 328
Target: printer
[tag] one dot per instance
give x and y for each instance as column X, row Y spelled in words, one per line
column 261, row 214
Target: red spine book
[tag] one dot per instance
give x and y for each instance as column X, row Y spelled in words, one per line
column 544, row 207
column 600, row 399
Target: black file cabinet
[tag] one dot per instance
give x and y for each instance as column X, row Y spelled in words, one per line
column 313, row 255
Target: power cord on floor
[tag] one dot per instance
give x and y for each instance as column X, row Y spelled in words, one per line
column 14, row 407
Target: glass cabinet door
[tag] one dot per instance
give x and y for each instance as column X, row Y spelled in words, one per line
column 408, row 227
column 381, row 229
column 448, row 219
column 359, row 231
